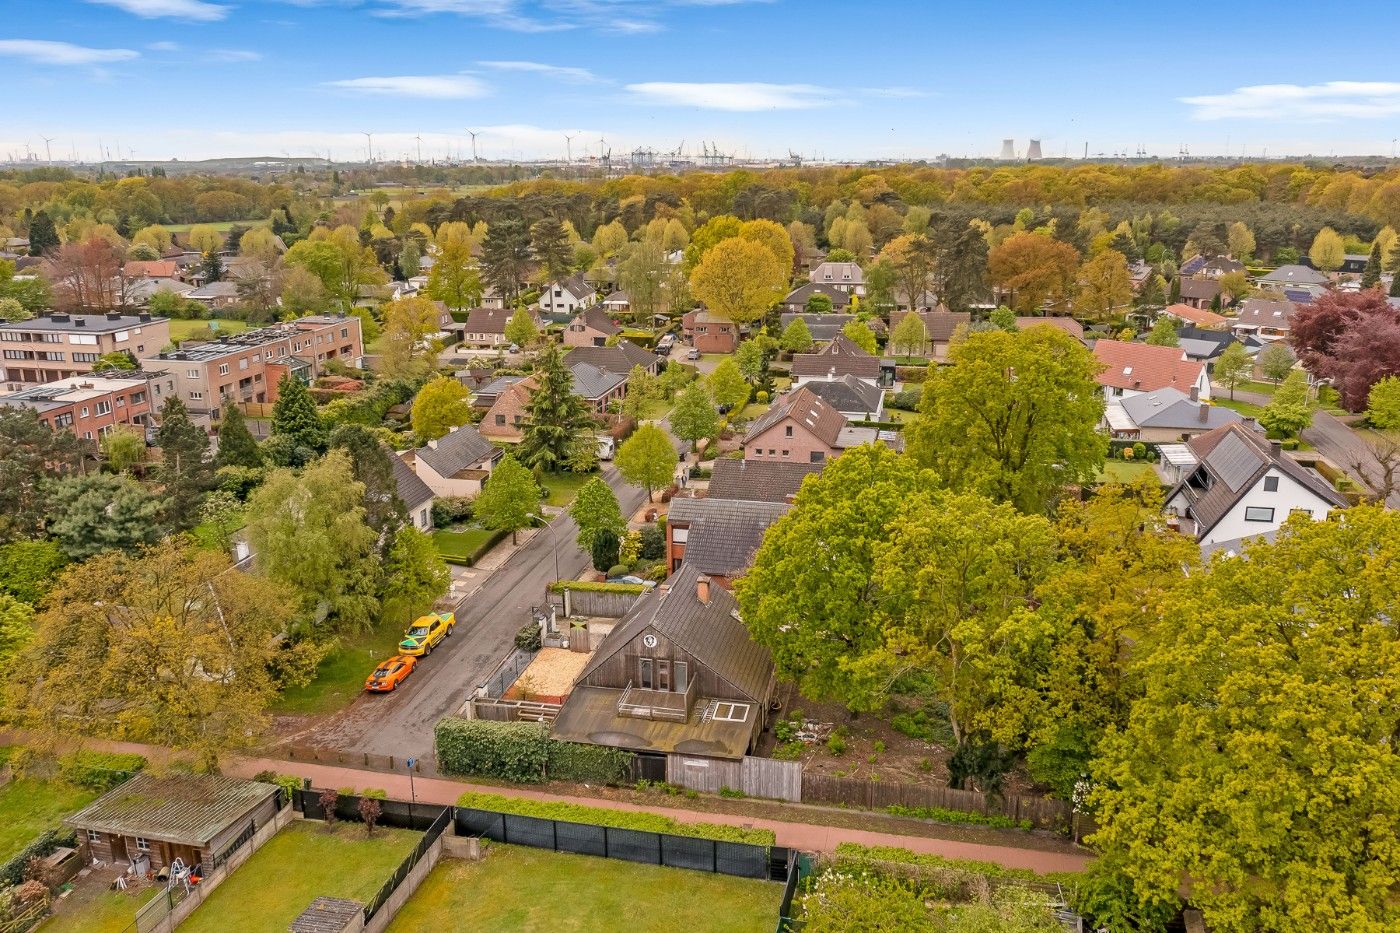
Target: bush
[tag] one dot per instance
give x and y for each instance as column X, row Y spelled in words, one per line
column 12, row 871
column 911, row 374
column 1139, row 451
column 529, row 638
column 289, row 783
column 853, row 853
column 617, row 819
column 587, row 764
column 944, row 815
column 99, row 771
column 761, row 397
column 591, row 586
column 924, row 725
column 653, row 546
column 907, row 399
column 836, row 745
column 451, row 510
column 510, row 751
column 238, row 481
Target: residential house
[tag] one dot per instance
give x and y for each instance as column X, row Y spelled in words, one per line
column 823, row 327
column 59, row 346
column 1265, row 317
column 151, row 821
column 718, row 537
column 151, row 269
column 618, row 359
column 799, row 428
column 1216, row 266
column 215, row 295
column 247, row 367
column 416, row 495
column 848, row 277
column 1140, row 273
column 90, row 406
column 939, row 327
column 1354, row 263
column 1199, row 291
column 710, row 333
column 1293, row 275
column 492, row 298
column 1135, row 368
column 1067, row 324
column 1200, row 317
column 139, row 292
column 617, row 303
column 566, row 296
column 679, row 677
column 486, row 396
column 796, row 300
column 1164, row 416
column 757, row 480
column 598, row 387
column 486, row 327
column 456, row 464
column 506, row 418
column 1243, row 486
column 1203, row 345
column 841, row 357
column 856, row 399
column 591, row 327
column 1192, row 265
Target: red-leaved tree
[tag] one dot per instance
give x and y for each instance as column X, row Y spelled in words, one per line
column 1352, row 339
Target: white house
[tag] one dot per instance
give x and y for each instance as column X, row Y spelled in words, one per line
column 416, row 495
column 457, row 464
column 565, row 296
column 846, row 277
column 1243, row 486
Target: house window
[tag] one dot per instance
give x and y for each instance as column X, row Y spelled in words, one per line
column 731, row 712
column 1255, row 513
column 682, row 678
column 196, row 396
column 94, row 836
column 787, row 431
column 1271, row 484
column 787, row 453
column 818, row 456
column 223, row 369
column 771, row 451
column 644, row 673
column 680, row 535
column 345, row 333
column 191, row 374
column 500, row 419
column 104, row 408
column 663, row 675
column 144, row 845
column 423, row 519
column 243, row 363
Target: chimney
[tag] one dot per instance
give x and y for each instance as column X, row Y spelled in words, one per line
column 831, row 374
column 1276, row 448
column 702, row 589
column 80, row 322
column 1195, row 393
column 58, row 317
column 432, row 444
column 114, row 315
column 1205, row 413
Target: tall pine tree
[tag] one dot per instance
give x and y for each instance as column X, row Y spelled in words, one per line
column 297, row 430
column 556, row 415
column 236, row 444
column 550, row 244
column 185, row 469
column 43, row 236
column 1371, row 277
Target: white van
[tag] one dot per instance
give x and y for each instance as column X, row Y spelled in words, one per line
column 606, row 447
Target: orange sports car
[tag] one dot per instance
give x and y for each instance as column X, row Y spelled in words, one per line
column 389, row 674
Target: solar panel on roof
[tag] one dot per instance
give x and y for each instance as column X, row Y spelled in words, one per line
column 1234, row 461
column 1298, row 295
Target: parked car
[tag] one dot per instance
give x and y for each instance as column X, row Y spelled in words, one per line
column 389, row 674
column 664, row 345
column 633, row 581
column 427, row 633
column 692, row 354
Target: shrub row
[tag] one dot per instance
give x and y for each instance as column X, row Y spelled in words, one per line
column 857, row 854
column 944, row 815
column 617, row 819
column 911, row 374
column 99, row 771
column 589, row 586
column 12, row 871
column 523, row 753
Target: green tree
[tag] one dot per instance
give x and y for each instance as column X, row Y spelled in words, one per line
column 372, row 466
column 642, row 389
column 505, row 256
column 859, row 333
column 43, row 236
column 236, row 444
column 708, row 235
column 1240, row 240
column 1236, row 286
column 185, row 472
column 415, row 576
column 510, row 500
column 1163, row 333
column 739, row 279
column 1036, row 270
column 595, row 509
column 1395, row 286
column 647, row 459
column 1275, row 361
column 454, row 279
column 909, row 335
column 1328, row 250
column 124, row 448
column 1017, row 441
column 34, row 453
column 309, row 532
column 797, row 337
column 120, row 360
column 556, row 416
column 728, row 386
column 818, row 304
column 642, row 273
column 12, row 312
column 1105, row 287
column 296, row 424
column 605, row 550
column 1288, row 412
column 1371, row 277
column 694, row 416
column 29, row 568
column 551, row 248
column 1003, row 318
column 408, row 350
column 104, row 512
column 440, row 406
column 520, row 329
column 1233, row 367
column 16, row 628
column 1248, row 772
column 1383, row 404
column 754, row 355
column 674, row 378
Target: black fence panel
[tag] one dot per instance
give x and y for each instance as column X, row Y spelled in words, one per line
column 634, row 846
column 581, row 838
column 481, row 823
column 400, row 814
column 741, row 859
column 684, row 852
column 529, row 831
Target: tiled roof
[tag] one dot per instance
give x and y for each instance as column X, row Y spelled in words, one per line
column 455, row 451
column 1295, row 275
column 724, row 533
column 150, row 268
column 804, row 407
column 411, row 489
column 618, row 359
column 487, row 320
column 844, row 273
column 1172, row 408
column 596, row 318
column 1267, row 312
column 220, row 289
column 838, row 358
column 590, row 382
column 758, row 480
column 1143, row 367
column 1198, row 316
column 800, row 295
column 823, row 327
column 1067, row 324
column 1200, row 289
column 189, row 809
column 846, row 393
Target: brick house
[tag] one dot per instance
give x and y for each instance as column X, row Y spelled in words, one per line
column 590, row 328
column 59, row 346
column 1199, row 292
column 1135, row 368
column 710, row 333
column 90, row 406
column 486, row 327
column 505, row 418
column 799, row 428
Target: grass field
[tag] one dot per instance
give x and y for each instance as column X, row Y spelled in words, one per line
column 186, row 330
column 92, row 909
column 223, row 226
column 301, row 862
column 1248, row 409
column 562, row 487
column 1125, row 471
column 342, row 673
column 460, row 544
column 29, row 806
column 528, row 890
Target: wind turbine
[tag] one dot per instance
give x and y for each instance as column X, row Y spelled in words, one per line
column 48, row 153
column 568, row 148
column 420, row 148
column 369, row 145
column 473, row 134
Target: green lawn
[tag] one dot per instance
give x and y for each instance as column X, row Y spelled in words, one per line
column 186, row 330
column 342, row 673
column 29, row 806
column 460, row 544
column 1125, row 471
column 656, row 409
column 525, row 890
column 215, row 537
column 563, row 487
column 1248, row 409
column 303, row 861
column 223, row 226
column 93, row 909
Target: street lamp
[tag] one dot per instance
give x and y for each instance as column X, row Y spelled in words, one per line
column 412, row 797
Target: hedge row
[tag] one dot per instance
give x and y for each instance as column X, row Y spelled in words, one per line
column 99, row 771
column 589, row 586
column 523, row 753
column 12, row 871
column 470, row 558
column 853, row 853
column 617, row 819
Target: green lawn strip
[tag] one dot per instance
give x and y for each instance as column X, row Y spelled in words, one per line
column 30, row 806
column 91, row 909
column 620, row 819
column 1248, row 409
column 563, row 487
column 342, row 673
column 656, row 409
column 293, row 868
column 215, row 537
column 529, row 890
column 461, row 547
column 1125, row 471
column 199, row 328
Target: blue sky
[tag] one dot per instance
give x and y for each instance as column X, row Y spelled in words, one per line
column 889, row 78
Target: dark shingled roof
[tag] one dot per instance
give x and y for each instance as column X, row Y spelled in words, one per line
column 596, row 318
column 823, row 327
column 1294, row 274
column 799, row 296
column 711, row 632
column 487, row 320
column 1199, row 289
column 842, row 356
column 591, row 383
column 189, row 809
column 846, row 393
column 619, row 359
column 455, row 451
column 410, row 487
column 327, row 915
column 758, row 480
column 724, row 533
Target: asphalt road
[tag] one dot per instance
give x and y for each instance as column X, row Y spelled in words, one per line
column 401, row 723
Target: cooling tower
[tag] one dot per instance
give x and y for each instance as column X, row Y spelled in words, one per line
column 1008, row 148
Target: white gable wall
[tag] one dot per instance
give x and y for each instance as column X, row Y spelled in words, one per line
column 1289, row 496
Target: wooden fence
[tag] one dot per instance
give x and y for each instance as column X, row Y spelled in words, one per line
column 755, row 777
column 1043, row 812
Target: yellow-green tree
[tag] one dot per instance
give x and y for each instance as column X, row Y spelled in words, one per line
column 739, row 279
column 406, row 350
column 1105, row 287
column 1036, row 270
column 204, row 238
column 440, row 406
column 1328, row 250
column 771, row 235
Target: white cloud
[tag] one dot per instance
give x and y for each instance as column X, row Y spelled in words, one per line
column 750, row 96
column 504, row 14
column 441, row 87
column 44, row 52
column 576, row 75
column 164, row 46
column 197, row 10
column 895, row 93
column 234, row 55
column 1300, row 102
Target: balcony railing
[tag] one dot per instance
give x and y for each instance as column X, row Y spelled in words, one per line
column 642, row 703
